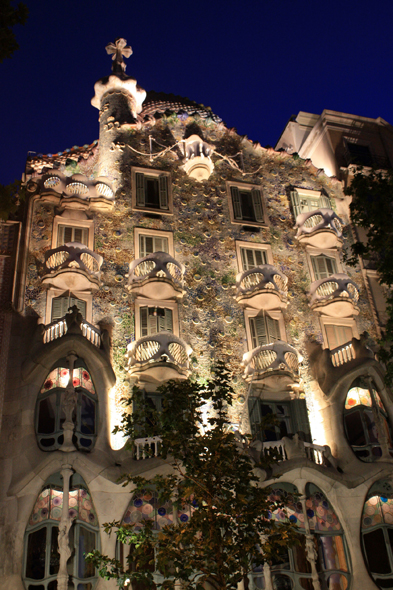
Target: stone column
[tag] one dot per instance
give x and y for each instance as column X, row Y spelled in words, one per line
column 64, row 529
column 310, row 547
column 69, row 401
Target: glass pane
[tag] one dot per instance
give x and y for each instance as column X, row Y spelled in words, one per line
column 259, row 582
column 281, row 582
column 333, row 553
column 355, row 430
column 370, row 425
column 52, row 585
column 152, row 192
column 57, row 378
column 384, row 583
column 56, row 506
column 88, row 415
column 41, row 587
column 301, row 562
column 88, row 586
column 47, row 415
column 306, row 583
column 41, row 507
column 247, row 206
column 54, row 557
column 87, row 542
column 376, row 552
column 358, row 396
column 35, row 557
column 337, row 582
column 82, row 378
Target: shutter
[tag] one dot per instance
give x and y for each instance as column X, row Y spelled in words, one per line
column 140, row 189
column 295, row 200
column 78, row 235
column 149, row 245
column 57, row 308
column 237, row 209
column 152, row 321
column 260, row 257
column 331, row 336
column 330, row 266
column 60, row 235
column 160, row 245
column 168, row 320
column 319, row 267
column 258, row 331
column 163, row 191
column 257, row 204
column 325, row 202
column 254, row 413
column 273, row 329
column 143, row 318
column 81, row 305
column 245, row 258
column 299, row 416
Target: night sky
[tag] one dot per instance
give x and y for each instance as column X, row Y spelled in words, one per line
column 255, row 63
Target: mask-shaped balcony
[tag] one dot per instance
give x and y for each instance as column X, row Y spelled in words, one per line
column 321, row 228
column 335, row 296
column 276, row 365
column 72, row 266
column 157, row 276
column 262, row 287
column 158, row 358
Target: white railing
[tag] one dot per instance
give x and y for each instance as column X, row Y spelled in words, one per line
column 59, row 328
column 271, row 357
column 315, row 453
column 342, row 354
column 147, row 447
column 338, row 285
column 320, row 219
column 311, row 451
column 73, row 255
column 277, row 445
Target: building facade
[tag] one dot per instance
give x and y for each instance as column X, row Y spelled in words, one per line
column 145, row 256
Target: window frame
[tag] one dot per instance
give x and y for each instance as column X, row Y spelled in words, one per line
column 82, row 295
column 325, row 202
column 246, row 187
column 69, row 222
column 344, row 322
column 314, row 252
column 243, row 245
column 274, row 314
column 155, row 173
column 144, row 231
column 172, row 305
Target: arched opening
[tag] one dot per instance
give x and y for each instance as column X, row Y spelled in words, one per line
column 42, row 554
column 377, row 533
column 366, row 421
column 59, row 389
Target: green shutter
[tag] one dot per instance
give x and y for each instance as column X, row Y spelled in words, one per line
column 163, row 180
column 67, row 235
column 254, row 413
column 140, row 189
column 273, row 329
column 299, row 415
column 143, row 318
column 295, row 200
column 257, row 204
column 160, row 244
column 166, row 321
column 325, row 202
column 152, row 321
column 57, row 308
column 81, row 305
column 258, row 331
column 260, row 257
column 323, row 266
column 237, row 209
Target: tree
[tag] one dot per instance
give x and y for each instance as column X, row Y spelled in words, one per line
column 9, row 17
column 372, row 209
column 231, row 529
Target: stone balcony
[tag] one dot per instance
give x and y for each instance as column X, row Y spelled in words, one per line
column 321, row 228
column 158, row 358
column 157, row 276
column 72, row 266
column 335, row 296
column 262, row 287
column 276, row 365
column 90, row 193
column 71, row 323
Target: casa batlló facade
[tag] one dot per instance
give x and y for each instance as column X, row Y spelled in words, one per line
column 143, row 257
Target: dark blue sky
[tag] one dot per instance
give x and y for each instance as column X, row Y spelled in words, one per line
column 255, row 62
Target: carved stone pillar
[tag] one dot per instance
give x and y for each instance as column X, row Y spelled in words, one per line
column 310, row 547
column 64, row 529
column 69, row 400
column 268, row 576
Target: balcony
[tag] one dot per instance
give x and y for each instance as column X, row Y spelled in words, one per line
column 146, row 448
column 158, row 358
column 262, row 287
column 157, row 276
column 321, row 228
column 335, row 296
column 287, row 449
column 72, row 266
column 72, row 323
column 96, row 193
column 276, row 365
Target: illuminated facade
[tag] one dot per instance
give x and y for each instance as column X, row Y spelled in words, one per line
column 171, row 242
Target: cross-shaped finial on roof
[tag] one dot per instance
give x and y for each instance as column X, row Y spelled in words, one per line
column 117, row 50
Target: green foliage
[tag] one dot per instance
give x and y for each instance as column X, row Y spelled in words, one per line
column 10, row 197
column 230, row 530
column 9, row 17
column 372, row 209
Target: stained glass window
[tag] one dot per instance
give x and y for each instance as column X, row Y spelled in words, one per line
column 50, row 415
column 292, row 569
column 366, row 420
column 41, row 546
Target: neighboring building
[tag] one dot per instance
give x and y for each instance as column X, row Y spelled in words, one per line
column 172, row 251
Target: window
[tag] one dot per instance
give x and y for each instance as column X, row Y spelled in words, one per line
column 252, row 258
column 366, row 420
column 50, row 415
column 155, row 319
column 246, row 204
column 264, row 330
column 377, row 533
column 357, row 153
column 304, row 200
column 42, row 559
column 67, row 233
column 151, row 244
column 61, row 305
column 151, row 190
column 292, row 569
column 291, row 415
column 323, row 266
column 338, row 335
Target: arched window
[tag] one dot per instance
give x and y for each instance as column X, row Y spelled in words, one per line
column 41, row 557
column 366, row 421
column 292, row 570
column 377, row 533
column 50, row 411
